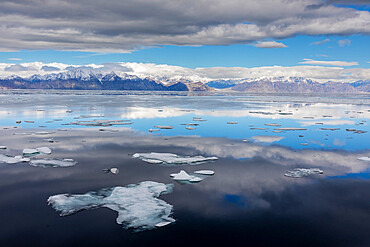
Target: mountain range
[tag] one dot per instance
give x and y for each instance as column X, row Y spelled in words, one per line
column 89, row 80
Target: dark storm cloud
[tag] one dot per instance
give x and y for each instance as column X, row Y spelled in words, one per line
column 122, row 26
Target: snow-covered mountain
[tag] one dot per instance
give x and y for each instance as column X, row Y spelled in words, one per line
column 102, row 80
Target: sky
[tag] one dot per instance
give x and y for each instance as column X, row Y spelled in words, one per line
column 188, row 33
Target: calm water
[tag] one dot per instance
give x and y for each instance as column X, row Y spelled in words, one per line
column 248, row 201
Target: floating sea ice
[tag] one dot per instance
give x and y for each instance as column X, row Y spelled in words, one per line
column 190, row 128
column 12, row 160
column 205, row 172
column 3, row 147
column 151, row 130
column 53, row 163
column 36, row 151
column 183, row 176
column 364, row 158
column 330, row 129
column 290, row 129
column 302, row 172
column 112, row 170
column 137, row 205
column 163, row 127
column 43, row 133
column 273, row 124
column 172, row 159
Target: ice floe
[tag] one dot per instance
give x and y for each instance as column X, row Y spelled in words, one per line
column 112, row 170
column 302, row 172
column 137, row 205
column 290, row 128
column 12, row 160
column 205, row 172
column 163, row 127
column 36, row 151
column 172, row 159
column 104, row 123
column 55, row 163
column 198, row 176
column 3, row 147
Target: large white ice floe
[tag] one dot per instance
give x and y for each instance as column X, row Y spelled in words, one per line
column 302, row 172
column 137, row 205
column 55, row 163
column 36, row 151
column 12, row 160
column 364, row 158
column 172, row 159
column 3, row 147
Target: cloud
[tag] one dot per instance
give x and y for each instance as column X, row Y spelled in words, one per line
column 328, row 63
column 344, row 42
column 270, row 44
column 320, row 42
column 49, row 68
column 169, row 73
column 19, row 68
column 123, row 26
column 15, row 59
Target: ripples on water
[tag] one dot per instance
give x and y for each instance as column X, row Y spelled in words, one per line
column 247, row 201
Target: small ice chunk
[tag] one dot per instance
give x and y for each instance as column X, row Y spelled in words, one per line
column 3, row 147
column 196, row 179
column 182, row 176
column 36, row 151
column 53, row 163
column 163, row 127
column 290, row 128
column 302, row 172
column 137, row 205
column 163, row 223
column 273, row 124
column 112, row 170
column 44, row 150
column 172, row 159
column 12, row 160
column 151, row 130
column 364, row 158
column 205, row 172
column 43, row 133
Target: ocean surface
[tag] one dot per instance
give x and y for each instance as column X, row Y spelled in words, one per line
column 248, row 201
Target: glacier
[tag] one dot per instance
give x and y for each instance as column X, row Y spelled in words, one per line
column 137, row 205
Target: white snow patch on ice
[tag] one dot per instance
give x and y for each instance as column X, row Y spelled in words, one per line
column 137, row 205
